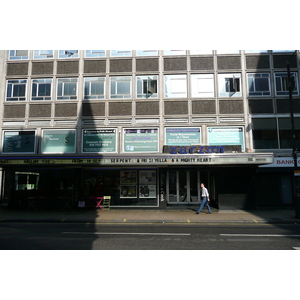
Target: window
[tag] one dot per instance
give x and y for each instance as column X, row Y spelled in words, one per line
column 201, row 52
column 202, row 85
column 95, row 53
column 228, row 51
column 18, row 54
column 264, row 131
column 256, row 51
column 94, row 88
column 41, row 89
column 259, row 84
column 276, row 51
column 175, row 86
column 230, row 85
column 68, row 53
column 282, row 86
column 120, row 87
column 67, row 88
column 174, row 52
column 285, row 133
column 42, row 54
column 120, row 53
column 146, row 52
column 147, row 86
column 16, row 90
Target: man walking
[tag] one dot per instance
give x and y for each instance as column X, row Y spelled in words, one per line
column 205, row 199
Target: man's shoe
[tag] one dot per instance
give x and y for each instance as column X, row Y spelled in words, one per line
column 208, row 213
column 197, row 213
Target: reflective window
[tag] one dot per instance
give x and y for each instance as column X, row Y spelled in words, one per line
column 43, row 54
column 68, row 53
column 67, row 88
column 201, row 52
column 228, row 51
column 256, row 51
column 264, row 132
column 282, row 84
column 202, row 85
column 95, row 53
column 174, row 52
column 18, row 54
column 16, row 90
column 120, row 87
column 146, row 52
column 175, row 86
column 120, row 52
column 41, row 89
column 94, row 88
column 259, row 84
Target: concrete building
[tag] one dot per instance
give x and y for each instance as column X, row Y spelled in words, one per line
column 146, row 127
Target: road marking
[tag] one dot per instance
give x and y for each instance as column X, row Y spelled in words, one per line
column 128, row 233
column 269, row 235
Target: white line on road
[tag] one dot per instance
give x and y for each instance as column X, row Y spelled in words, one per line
column 128, row 233
column 269, row 235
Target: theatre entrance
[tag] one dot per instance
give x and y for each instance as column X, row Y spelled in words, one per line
column 183, row 186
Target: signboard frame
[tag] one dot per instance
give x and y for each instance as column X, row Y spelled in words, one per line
column 23, row 133
column 44, row 131
column 126, row 144
column 83, row 139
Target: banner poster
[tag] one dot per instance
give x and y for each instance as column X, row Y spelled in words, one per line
column 141, row 140
column 128, row 191
column 128, row 177
column 99, row 140
column 183, row 136
column 147, row 191
column 147, row 177
column 226, row 136
column 58, row 141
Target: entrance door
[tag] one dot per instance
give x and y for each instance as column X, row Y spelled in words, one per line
column 183, row 186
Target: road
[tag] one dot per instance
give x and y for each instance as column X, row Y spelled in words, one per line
column 90, row 236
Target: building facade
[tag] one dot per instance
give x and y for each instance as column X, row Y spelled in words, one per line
column 146, row 127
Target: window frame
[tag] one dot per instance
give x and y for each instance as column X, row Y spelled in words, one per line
column 257, row 93
column 195, row 86
column 68, row 54
column 285, row 92
column 167, row 86
column 38, row 55
column 90, row 80
column 120, row 53
column 13, row 55
column 118, row 80
column 140, row 85
column 223, row 85
column 63, row 82
column 10, row 83
column 94, row 54
column 43, row 98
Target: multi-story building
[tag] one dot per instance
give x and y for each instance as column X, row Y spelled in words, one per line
column 146, row 127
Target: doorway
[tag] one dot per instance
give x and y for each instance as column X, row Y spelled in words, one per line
column 183, row 186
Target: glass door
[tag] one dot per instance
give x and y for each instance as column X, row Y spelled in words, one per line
column 183, row 186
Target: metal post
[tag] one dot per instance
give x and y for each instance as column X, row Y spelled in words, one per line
column 296, row 191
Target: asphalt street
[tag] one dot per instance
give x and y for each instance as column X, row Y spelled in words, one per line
column 92, row 236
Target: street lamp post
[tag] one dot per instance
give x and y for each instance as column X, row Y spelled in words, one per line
column 296, row 190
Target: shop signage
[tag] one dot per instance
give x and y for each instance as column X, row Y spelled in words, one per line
column 58, row 141
column 19, row 142
column 283, row 162
column 99, row 140
column 140, row 140
column 183, row 136
column 204, row 159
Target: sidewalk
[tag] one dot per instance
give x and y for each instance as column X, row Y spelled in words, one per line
column 126, row 216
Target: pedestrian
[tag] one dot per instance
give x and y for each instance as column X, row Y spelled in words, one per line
column 205, row 199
